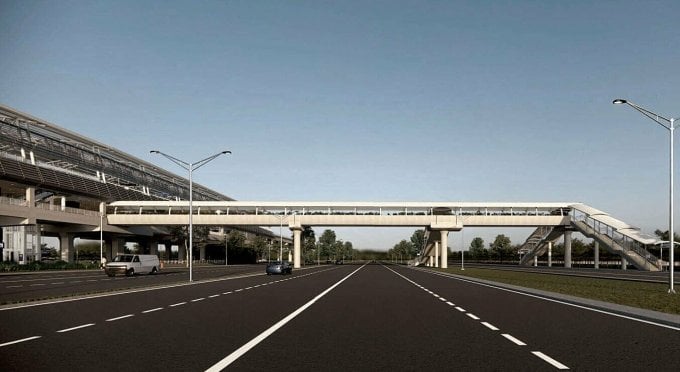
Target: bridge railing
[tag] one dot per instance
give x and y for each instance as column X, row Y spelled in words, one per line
column 58, row 208
column 624, row 241
column 4, row 200
column 348, row 210
column 12, row 201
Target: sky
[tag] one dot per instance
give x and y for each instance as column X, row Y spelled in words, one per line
column 472, row 101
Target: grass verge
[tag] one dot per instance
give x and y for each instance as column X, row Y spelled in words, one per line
column 651, row 296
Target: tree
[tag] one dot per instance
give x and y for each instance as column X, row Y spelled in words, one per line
column 338, row 250
column 501, row 246
column 308, row 242
column 327, row 243
column 259, row 245
column 349, row 250
column 402, row 250
column 417, row 241
column 180, row 235
column 477, row 250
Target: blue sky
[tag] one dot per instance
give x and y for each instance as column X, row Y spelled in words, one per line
column 366, row 100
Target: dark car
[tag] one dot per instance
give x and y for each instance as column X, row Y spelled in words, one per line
column 278, row 267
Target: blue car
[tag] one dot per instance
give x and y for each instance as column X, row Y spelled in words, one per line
column 278, row 267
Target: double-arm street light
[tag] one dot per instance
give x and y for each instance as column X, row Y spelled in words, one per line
column 191, row 167
column 668, row 124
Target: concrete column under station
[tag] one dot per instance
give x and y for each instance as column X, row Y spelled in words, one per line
column 66, row 246
column 116, row 246
column 597, row 254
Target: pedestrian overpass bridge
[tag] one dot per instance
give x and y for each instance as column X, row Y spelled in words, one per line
column 552, row 221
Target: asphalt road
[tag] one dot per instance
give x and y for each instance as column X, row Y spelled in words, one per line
column 371, row 317
column 34, row 286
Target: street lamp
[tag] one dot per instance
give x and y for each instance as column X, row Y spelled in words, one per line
column 668, row 124
column 190, row 167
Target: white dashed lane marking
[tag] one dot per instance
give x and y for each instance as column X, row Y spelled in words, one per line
column 514, row 340
column 18, row 341
column 490, row 326
column 550, row 360
column 75, row 328
column 143, row 312
column 120, row 317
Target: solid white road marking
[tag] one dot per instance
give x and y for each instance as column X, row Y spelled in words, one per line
column 74, row 328
column 224, row 363
column 18, row 341
column 490, row 326
column 120, row 317
column 151, row 310
column 550, row 360
column 514, row 340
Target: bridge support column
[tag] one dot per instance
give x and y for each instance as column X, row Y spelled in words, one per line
column 436, row 254
column 535, row 261
column 66, row 246
column 596, row 248
column 549, row 254
column 567, row 249
column 297, row 247
column 153, row 248
column 444, row 249
column 201, row 253
column 624, row 263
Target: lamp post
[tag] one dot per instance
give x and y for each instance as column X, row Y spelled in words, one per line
column 668, row 124
column 191, row 167
column 101, row 238
column 226, row 249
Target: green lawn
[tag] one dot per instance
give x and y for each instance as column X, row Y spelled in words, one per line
column 650, row 296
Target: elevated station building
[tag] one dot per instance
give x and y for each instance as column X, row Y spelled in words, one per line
column 54, row 182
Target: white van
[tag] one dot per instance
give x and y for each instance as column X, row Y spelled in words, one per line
column 131, row 264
